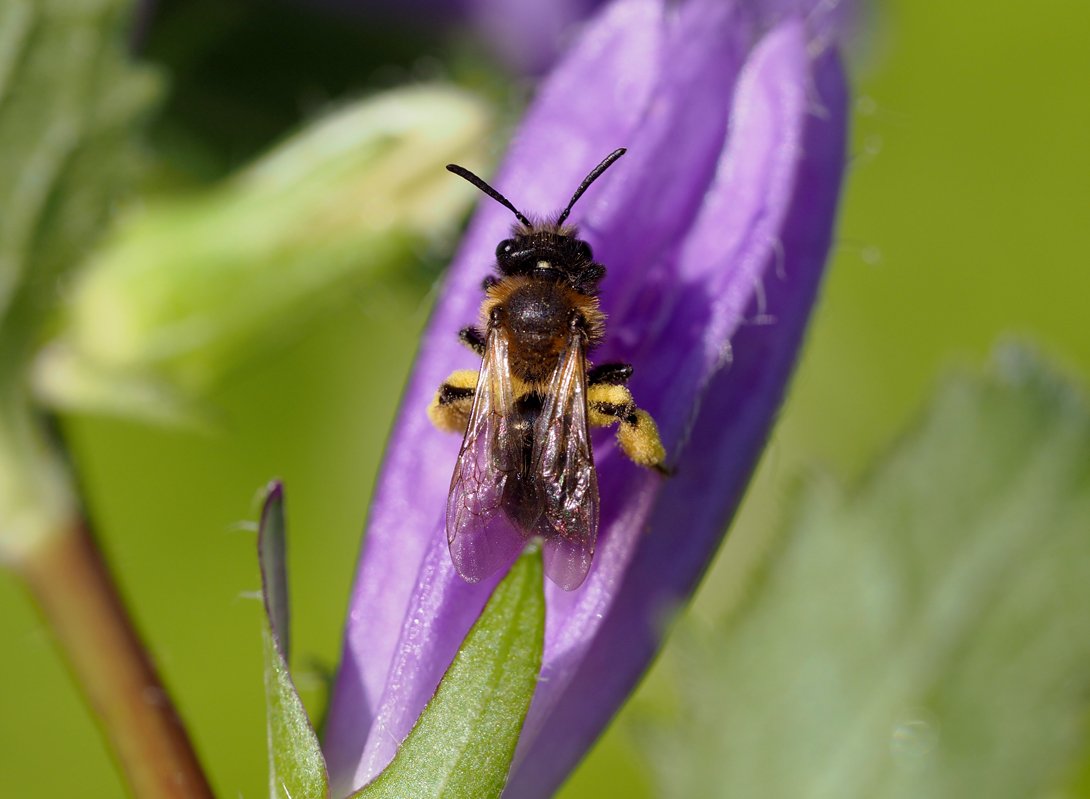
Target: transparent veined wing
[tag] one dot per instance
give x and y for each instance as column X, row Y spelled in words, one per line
column 481, row 537
column 563, row 464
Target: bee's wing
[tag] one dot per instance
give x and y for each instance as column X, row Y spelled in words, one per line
column 482, row 539
column 563, row 464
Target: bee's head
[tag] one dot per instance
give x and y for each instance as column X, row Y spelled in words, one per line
column 549, row 253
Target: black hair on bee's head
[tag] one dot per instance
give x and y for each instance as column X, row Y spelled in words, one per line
column 586, row 282
column 546, row 253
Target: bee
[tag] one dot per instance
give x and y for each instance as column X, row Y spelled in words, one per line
column 525, row 469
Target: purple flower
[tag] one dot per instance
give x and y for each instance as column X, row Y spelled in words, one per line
column 714, row 229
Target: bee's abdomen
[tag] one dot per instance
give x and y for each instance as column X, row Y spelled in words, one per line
column 522, row 499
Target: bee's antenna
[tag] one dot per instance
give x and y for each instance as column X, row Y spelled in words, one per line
column 593, row 176
column 462, row 172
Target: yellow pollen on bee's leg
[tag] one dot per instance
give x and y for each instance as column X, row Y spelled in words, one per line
column 462, row 378
column 639, row 439
column 607, row 404
column 638, row 435
column 451, row 413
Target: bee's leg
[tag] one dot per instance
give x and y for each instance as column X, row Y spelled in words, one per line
column 613, row 374
column 637, row 433
column 472, row 338
column 449, row 410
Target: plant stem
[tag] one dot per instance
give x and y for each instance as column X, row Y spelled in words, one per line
column 72, row 585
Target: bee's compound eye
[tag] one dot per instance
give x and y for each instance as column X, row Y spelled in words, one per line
column 504, row 250
column 582, row 249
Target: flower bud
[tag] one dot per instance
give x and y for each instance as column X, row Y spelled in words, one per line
column 186, row 289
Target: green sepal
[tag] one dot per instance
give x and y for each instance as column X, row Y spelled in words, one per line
column 297, row 768
column 464, row 741
column 925, row 634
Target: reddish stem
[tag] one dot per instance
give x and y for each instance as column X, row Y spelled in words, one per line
column 73, row 588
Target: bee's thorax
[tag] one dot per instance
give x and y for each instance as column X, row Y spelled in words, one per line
column 537, row 316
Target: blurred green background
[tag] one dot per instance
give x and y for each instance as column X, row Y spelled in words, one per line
column 965, row 221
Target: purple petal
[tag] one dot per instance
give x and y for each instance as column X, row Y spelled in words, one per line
column 697, row 228
column 775, row 197
column 827, row 21
column 598, row 95
column 679, row 144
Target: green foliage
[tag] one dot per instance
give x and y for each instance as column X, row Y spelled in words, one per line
column 69, row 101
column 463, row 742
column 462, row 745
column 189, row 287
column 296, row 765
column 69, row 98
column 926, row 635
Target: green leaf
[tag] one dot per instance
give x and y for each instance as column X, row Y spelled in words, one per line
column 462, row 745
column 69, row 103
column 926, row 635
column 297, row 768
